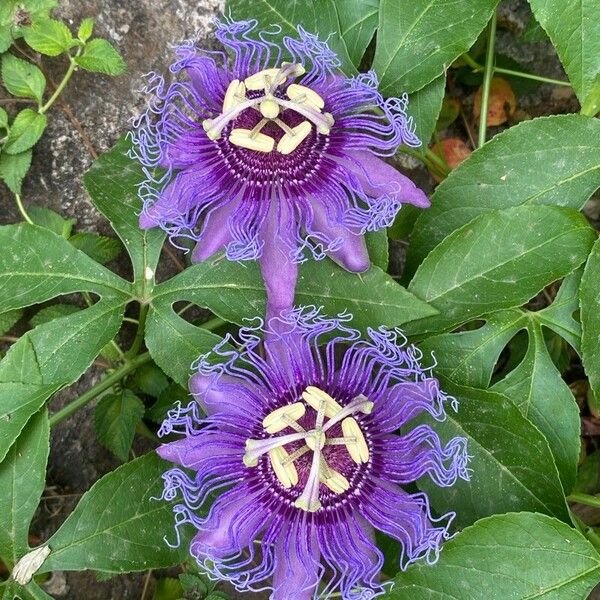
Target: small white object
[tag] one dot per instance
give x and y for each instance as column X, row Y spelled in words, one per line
column 246, row 139
column 235, row 94
column 269, row 108
column 290, row 141
column 28, row 566
column 148, row 274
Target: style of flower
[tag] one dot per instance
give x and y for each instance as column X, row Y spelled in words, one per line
column 303, row 453
column 271, row 160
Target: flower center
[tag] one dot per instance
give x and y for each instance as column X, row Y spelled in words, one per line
column 267, row 100
column 328, row 414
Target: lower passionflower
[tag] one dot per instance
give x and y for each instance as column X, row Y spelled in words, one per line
column 302, row 440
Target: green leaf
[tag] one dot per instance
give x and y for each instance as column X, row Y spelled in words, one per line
column 574, row 28
column 99, row 247
column 319, row 18
column 44, row 217
column 112, row 183
column 539, row 391
column 358, row 22
column 150, row 380
column 590, row 318
column 30, row 592
column 424, row 107
column 378, row 247
column 55, row 311
column 513, row 557
column 50, row 357
column 99, row 56
column 534, row 32
column 25, row 131
column 511, row 465
column 116, row 417
column 8, row 319
column 499, row 260
column 3, row 118
column 22, row 79
column 42, row 265
column 173, row 342
column 119, row 524
column 550, row 160
column 235, row 291
column 167, row 398
column 13, row 168
column 22, row 480
column 49, row 37
column 416, row 41
column 86, row 29
column 6, row 38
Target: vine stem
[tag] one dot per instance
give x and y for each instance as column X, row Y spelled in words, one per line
column 488, row 73
column 139, row 334
column 99, row 388
column 586, row 499
column 22, row 209
column 63, row 83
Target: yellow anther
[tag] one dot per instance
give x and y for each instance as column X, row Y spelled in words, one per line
column 235, row 94
column 291, row 140
column 261, row 80
column 358, row 449
column 326, row 128
column 315, row 439
column 335, row 481
column 284, row 469
column 245, row 138
column 296, row 71
column 269, row 108
column 279, row 419
column 313, row 396
column 304, row 95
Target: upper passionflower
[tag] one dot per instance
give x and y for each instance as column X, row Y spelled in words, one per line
column 305, row 451
column 269, row 158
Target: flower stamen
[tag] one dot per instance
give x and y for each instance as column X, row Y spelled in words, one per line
column 282, row 417
column 358, row 449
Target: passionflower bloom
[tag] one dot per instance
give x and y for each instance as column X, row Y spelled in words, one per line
column 303, row 453
column 269, row 152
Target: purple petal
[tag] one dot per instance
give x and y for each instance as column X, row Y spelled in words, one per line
column 378, row 179
column 198, row 451
column 352, row 253
column 216, row 232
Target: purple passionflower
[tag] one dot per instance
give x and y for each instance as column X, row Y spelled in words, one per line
column 269, row 159
column 302, row 442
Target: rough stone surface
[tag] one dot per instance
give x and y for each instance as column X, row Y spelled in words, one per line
column 143, row 30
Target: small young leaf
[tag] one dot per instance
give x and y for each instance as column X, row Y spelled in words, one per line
column 86, row 29
column 22, row 79
column 13, row 168
column 99, row 247
column 192, row 583
column 49, row 37
column 3, row 119
column 99, row 56
column 8, row 319
column 116, row 417
column 56, row 311
column 44, row 217
column 25, row 131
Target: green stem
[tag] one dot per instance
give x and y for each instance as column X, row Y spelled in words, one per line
column 61, row 86
column 586, row 499
column 139, row 334
column 488, row 73
column 213, row 323
column 22, row 209
column 100, row 387
column 477, row 67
